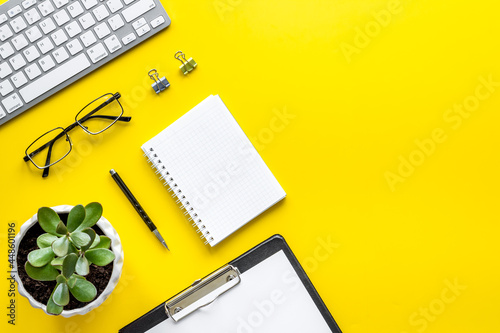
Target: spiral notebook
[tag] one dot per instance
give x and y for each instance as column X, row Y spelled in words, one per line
column 213, row 170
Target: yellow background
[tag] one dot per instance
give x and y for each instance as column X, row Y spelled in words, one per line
column 395, row 250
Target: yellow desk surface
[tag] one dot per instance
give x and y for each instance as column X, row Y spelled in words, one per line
column 379, row 119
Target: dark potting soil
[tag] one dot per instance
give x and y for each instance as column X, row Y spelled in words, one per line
column 41, row 290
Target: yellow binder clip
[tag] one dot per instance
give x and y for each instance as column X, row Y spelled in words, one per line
column 187, row 65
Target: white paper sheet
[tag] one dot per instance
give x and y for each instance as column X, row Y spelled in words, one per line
column 270, row 299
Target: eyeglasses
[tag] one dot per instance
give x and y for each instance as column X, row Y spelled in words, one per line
column 95, row 118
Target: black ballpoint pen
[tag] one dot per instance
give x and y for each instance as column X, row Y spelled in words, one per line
column 137, row 206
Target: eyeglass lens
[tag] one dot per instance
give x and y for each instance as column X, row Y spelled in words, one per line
column 56, row 144
column 97, row 117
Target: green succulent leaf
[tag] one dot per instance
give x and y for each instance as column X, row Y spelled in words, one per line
column 96, row 241
column 100, row 257
column 82, row 266
column 57, row 262
column 61, row 246
column 72, row 248
column 79, row 239
column 41, row 257
column 48, row 220
column 45, row 273
column 104, row 243
column 69, row 264
column 92, row 236
column 61, row 279
column 93, row 212
column 76, row 217
column 52, row 307
column 72, row 281
column 61, row 294
column 61, row 228
column 45, row 240
column 83, row 290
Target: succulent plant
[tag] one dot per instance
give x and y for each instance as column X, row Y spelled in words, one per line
column 66, row 252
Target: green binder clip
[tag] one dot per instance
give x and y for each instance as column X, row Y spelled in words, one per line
column 187, row 65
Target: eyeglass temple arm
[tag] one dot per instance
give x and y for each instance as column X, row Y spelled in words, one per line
column 126, row 119
column 47, row 161
column 69, row 128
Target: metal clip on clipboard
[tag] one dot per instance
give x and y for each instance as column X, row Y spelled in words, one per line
column 202, row 292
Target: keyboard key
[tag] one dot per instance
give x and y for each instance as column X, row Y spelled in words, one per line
column 12, row 103
column 47, row 63
column 2, row 113
column 17, row 62
column 5, row 32
column 88, row 38
column 46, row 8
column 6, row 88
column 129, row 38
column 89, row 3
column 5, row 70
column 45, row 45
column 97, row 53
column 75, row 9
column 59, row 37
column 33, row 34
column 14, row 11
column 54, row 78
column 138, row 9
column 87, row 21
column 143, row 30
column 74, row 46
column 73, row 29
column 60, row 55
column 60, row 3
column 157, row 21
column 32, row 16
column 100, row 13
column 128, row 2
column 47, row 26
column 114, row 5
column 33, row 71
column 31, row 53
column 61, row 17
column 18, row 24
column 19, row 79
column 102, row 30
column 28, row 3
column 113, row 44
column 6, row 50
column 116, row 22
column 139, row 23
column 19, row 42
column 3, row 18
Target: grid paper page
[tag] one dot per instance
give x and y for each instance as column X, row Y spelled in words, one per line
column 270, row 298
column 223, row 178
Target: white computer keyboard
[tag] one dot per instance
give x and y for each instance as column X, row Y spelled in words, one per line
column 47, row 45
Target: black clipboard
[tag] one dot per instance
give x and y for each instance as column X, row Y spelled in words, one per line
column 174, row 306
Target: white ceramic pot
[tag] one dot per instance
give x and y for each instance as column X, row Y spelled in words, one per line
column 116, row 247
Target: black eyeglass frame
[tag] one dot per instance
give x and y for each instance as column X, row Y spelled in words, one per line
column 77, row 123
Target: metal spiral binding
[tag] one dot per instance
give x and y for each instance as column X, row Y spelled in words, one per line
column 181, row 199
